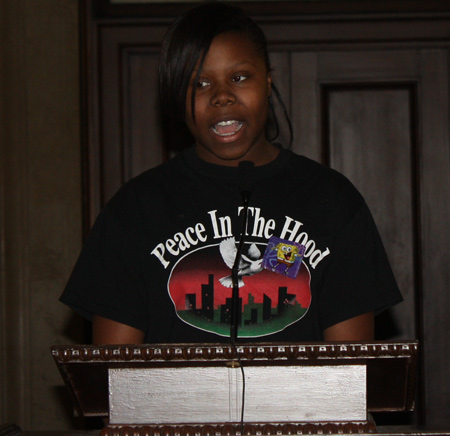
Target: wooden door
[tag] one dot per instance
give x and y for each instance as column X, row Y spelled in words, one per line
column 367, row 92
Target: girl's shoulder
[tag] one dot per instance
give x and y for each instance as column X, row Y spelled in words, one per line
column 310, row 168
column 321, row 181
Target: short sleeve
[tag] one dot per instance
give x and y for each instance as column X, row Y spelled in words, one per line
column 107, row 278
column 359, row 279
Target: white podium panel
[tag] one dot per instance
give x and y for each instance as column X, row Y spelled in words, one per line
column 214, row 394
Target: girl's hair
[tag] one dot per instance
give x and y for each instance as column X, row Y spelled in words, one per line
column 186, row 44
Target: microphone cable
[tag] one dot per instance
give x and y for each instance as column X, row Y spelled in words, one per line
column 246, row 178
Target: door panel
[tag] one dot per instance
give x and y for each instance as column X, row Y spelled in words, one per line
column 142, row 136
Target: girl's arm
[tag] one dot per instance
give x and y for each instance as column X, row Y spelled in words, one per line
column 105, row 331
column 359, row 328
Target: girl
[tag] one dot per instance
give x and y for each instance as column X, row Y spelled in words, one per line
column 156, row 266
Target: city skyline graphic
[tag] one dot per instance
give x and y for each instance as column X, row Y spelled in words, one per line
column 269, row 301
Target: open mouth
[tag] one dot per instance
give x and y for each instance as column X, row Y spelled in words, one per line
column 227, row 128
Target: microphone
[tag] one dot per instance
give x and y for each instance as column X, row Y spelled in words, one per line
column 246, row 176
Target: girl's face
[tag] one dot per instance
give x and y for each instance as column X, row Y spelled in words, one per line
column 231, row 104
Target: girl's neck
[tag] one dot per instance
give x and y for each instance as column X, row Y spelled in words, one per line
column 258, row 155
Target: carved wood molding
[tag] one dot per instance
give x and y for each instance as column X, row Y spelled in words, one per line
column 249, row 429
column 223, row 352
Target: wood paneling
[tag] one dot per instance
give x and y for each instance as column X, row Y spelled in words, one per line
column 367, row 91
column 40, row 210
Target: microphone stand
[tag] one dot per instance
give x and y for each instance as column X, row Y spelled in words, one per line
column 246, row 175
column 246, row 178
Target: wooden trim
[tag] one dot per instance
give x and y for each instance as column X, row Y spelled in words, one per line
column 259, row 352
column 90, row 139
column 85, row 125
column 249, row 429
column 106, row 9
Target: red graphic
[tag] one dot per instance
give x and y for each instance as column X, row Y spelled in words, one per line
column 194, row 271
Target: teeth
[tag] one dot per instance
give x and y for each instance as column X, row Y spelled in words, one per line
column 226, row 124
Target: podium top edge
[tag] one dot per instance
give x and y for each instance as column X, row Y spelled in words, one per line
column 245, row 351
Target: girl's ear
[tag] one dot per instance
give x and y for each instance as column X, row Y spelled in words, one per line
column 269, row 84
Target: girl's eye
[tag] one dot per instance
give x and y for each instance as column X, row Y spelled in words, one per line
column 202, row 84
column 239, row 78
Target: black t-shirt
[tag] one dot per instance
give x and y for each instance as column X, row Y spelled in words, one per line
column 158, row 256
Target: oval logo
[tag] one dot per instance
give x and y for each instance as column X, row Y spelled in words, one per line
column 200, row 288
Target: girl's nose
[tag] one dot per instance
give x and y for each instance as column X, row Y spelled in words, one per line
column 223, row 97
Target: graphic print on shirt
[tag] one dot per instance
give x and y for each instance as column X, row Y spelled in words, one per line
column 200, row 287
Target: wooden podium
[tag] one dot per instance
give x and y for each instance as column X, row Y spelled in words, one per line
column 251, row 389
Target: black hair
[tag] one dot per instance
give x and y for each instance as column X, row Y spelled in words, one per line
column 186, row 44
